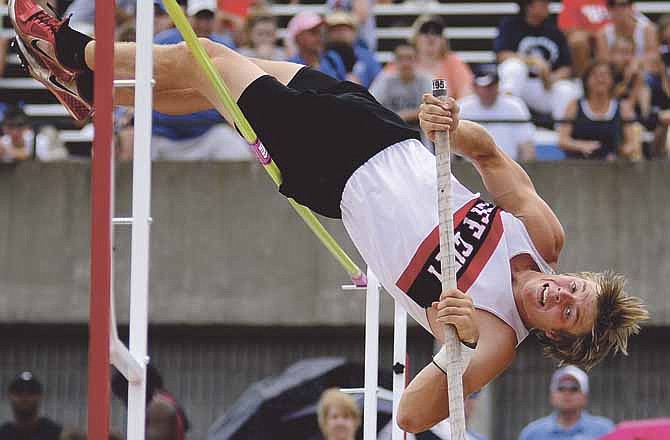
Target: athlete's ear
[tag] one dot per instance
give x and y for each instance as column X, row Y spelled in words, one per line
column 551, row 334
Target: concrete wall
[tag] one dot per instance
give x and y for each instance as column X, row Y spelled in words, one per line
column 226, row 248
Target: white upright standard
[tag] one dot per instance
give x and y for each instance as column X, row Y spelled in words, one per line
column 371, row 357
column 371, row 390
column 132, row 363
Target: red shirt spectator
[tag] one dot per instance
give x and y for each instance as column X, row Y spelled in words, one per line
column 580, row 20
column 585, row 15
column 236, row 7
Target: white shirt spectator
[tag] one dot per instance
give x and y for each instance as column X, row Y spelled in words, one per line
column 398, row 95
column 402, row 97
column 508, row 136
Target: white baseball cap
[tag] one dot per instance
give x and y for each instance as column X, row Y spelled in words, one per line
column 195, row 6
column 570, row 371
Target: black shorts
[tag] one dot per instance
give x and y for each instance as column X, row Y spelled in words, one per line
column 319, row 131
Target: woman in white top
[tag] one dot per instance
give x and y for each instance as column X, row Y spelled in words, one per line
column 628, row 23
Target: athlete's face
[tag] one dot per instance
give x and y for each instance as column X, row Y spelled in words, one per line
column 559, row 304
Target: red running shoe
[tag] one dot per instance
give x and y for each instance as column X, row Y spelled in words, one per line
column 37, row 29
column 65, row 91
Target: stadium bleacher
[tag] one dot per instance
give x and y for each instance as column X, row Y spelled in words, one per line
column 471, row 28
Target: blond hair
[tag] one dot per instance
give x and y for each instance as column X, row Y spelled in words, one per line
column 618, row 316
column 334, row 398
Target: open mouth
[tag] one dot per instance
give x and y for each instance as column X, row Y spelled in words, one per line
column 543, row 294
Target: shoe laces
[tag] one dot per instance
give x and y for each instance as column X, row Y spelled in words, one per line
column 51, row 22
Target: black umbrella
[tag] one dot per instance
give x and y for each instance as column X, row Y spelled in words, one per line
column 284, row 406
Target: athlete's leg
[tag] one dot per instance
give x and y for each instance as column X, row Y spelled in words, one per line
column 178, row 101
column 165, row 62
column 284, row 71
column 192, row 100
column 65, row 60
column 176, row 71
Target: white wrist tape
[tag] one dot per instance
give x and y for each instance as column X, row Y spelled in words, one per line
column 440, row 359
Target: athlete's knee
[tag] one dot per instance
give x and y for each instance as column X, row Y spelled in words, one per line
column 407, row 419
column 209, row 46
column 180, row 57
column 214, row 49
column 404, row 422
column 169, row 64
column 183, row 57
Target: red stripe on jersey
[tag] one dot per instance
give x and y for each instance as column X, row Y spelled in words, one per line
column 427, row 247
column 483, row 254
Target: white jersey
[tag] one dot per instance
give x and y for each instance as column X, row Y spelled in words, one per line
column 507, row 136
column 389, row 208
column 641, row 22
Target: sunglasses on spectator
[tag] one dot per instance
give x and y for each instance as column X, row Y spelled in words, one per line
column 431, row 29
column 569, row 388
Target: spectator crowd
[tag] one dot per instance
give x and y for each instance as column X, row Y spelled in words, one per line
column 597, row 75
column 337, row 414
column 165, row 418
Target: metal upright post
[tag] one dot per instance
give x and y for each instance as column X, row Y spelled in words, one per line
column 141, row 206
column 101, row 222
column 399, row 364
column 371, row 357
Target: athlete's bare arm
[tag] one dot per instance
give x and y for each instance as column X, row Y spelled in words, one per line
column 425, row 402
column 507, row 183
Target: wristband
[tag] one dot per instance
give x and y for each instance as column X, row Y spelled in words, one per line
column 470, row 345
column 440, row 359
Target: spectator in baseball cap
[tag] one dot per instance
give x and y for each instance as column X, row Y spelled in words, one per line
column 360, row 63
column 202, row 16
column 488, row 105
column 25, row 396
column 304, row 37
column 162, row 20
column 202, row 135
column 569, row 391
column 436, row 59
